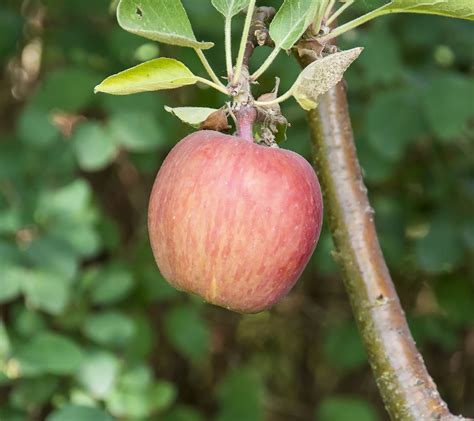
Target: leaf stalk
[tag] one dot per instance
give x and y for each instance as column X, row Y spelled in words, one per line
column 208, row 68
column 243, row 42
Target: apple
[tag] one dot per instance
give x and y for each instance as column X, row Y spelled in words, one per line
column 233, row 221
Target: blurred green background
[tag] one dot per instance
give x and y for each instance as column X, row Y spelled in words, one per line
column 90, row 331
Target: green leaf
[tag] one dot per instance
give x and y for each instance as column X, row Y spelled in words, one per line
column 435, row 330
column 98, row 373
column 111, row 284
column 5, row 345
column 137, row 131
column 34, row 127
column 241, row 397
column 68, row 90
column 9, row 414
column 147, row 51
column 10, row 283
column 79, row 413
column 28, row 322
column 141, row 403
column 187, row 332
column 229, row 8
column 154, row 75
column 463, row 9
column 79, row 235
column 136, row 396
column 292, row 20
column 159, row 20
column 32, row 393
column 45, row 291
column 53, row 256
column 343, row 347
column 320, row 76
column 143, row 340
column 70, row 200
column 340, row 408
column 441, row 250
column 48, row 353
column 94, row 146
column 392, row 122
column 381, row 61
column 109, row 328
column 456, row 298
column 193, row 116
column 182, row 413
column 449, row 104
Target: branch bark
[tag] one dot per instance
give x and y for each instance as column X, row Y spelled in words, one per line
column 407, row 389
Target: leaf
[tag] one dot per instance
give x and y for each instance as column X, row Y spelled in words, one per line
column 137, row 131
column 159, row 20
column 46, row 291
column 187, row 332
column 229, row 8
column 241, row 385
column 320, row 76
column 342, row 408
column 441, row 250
column 154, row 75
column 32, row 393
column 136, row 396
column 449, row 104
column 98, row 373
column 69, row 200
column 381, row 61
column 392, row 121
column 456, row 297
column 343, row 347
column 28, row 322
column 54, row 257
column 109, row 328
column 10, row 283
column 193, row 116
column 79, row 413
column 49, row 353
column 67, row 90
column 5, row 345
column 94, row 146
column 463, row 9
column 292, row 20
column 111, row 285
column 182, row 413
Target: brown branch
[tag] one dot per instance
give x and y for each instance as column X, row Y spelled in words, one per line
column 407, row 389
column 258, row 33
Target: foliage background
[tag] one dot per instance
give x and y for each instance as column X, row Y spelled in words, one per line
column 89, row 329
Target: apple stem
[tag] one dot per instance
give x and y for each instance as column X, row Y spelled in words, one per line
column 245, row 118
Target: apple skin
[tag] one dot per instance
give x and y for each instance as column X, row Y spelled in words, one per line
column 233, row 221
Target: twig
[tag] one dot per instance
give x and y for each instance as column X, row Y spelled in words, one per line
column 407, row 389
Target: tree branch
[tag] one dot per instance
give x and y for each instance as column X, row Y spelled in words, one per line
column 407, row 389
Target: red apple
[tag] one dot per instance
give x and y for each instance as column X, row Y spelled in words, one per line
column 233, row 221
